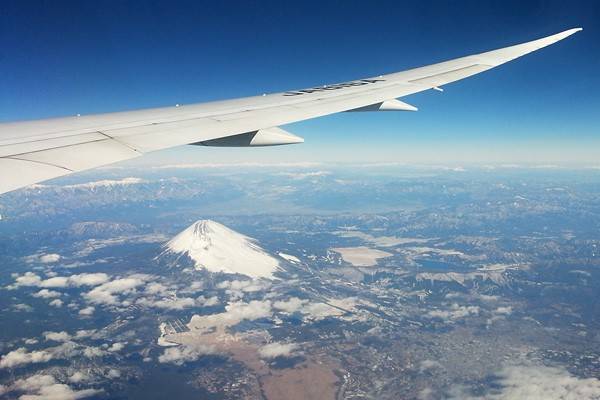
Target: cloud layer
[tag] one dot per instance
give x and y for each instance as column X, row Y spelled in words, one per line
column 536, row 383
column 41, row 386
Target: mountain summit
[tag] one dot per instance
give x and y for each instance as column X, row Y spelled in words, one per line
column 219, row 249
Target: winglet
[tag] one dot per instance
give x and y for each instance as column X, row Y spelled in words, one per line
column 563, row 35
column 500, row 56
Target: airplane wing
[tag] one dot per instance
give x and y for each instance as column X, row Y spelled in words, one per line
column 35, row 151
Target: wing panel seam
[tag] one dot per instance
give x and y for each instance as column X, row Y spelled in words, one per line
column 121, row 143
column 37, row 162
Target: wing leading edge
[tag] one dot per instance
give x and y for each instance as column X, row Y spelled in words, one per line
column 35, row 151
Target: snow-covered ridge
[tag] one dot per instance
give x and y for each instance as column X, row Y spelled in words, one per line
column 219, row 249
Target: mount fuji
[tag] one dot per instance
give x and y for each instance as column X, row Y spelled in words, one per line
column 217, row 248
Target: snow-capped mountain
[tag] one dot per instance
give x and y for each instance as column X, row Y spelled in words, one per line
column 219, row 249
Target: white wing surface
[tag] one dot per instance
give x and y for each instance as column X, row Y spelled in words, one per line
column 34, row 151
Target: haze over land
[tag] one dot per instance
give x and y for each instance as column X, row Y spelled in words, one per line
column 469, row 283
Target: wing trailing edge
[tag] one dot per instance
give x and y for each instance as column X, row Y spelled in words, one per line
column 387, row 105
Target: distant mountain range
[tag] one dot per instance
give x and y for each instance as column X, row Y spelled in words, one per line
column 97, row 229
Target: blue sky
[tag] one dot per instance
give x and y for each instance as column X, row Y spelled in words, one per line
column 63, row 58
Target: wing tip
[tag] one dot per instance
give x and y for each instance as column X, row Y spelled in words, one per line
column 560, row 35
column 557, row 37
column 568, row 32
column 573, row 30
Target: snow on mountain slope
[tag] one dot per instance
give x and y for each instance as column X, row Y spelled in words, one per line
column 219, row 249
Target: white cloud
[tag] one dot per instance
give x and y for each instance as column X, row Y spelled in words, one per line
column 156, row 288
column 536, row 383
column 194, row 286
column 87, row 311
column 54, row 282
column 488, row 298
column 45, row 387
column 57, row 336
column 503, row 310
column 23, row 307
column 85, row 333
column 237, row 288
column 107, row 292
column 253, row 310
column 47, row 294
column 87, row 279
column 78, row 377
column 168, row 303
column 181, row 354
column 113, row 373
column 292, row 305
column 273, row 350
column 316, row 311
column 234, row 314
column 28, row 279
column 92, row 279
column 67, row 349
column 454, row 313
column 50, row 258
column 44, row 258
column 91, row 352
column 21, row 356
column 116, row 347
column 56, row 303
column 207, row 302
